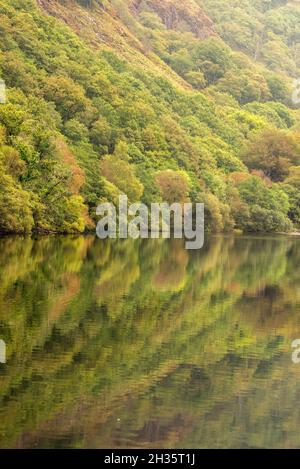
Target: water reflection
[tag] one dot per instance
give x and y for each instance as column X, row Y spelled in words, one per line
column 144, row 344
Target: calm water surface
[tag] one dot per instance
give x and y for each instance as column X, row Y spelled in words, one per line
column 143, row 344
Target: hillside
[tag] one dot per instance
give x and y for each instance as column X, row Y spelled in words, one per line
column 265, row 30
column 150, row 98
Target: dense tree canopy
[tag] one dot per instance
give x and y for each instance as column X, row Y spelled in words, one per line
column 168, row 111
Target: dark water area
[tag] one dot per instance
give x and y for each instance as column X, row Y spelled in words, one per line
column 143, row 344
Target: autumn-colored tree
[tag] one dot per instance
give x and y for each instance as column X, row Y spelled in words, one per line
column 174, row 186
column 273, row 152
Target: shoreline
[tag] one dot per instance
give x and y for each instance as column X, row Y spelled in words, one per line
column 88, row 233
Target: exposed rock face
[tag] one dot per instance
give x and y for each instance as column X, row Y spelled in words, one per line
column 175, row 13
column 109, row 24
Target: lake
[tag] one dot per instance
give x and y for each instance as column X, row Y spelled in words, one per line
column 143, row 344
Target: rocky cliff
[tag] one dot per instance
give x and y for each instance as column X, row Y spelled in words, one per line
column 185, row 14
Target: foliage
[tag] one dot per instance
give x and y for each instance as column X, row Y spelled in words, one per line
column 85, row 122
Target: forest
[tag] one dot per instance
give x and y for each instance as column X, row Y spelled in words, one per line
column 156, row 99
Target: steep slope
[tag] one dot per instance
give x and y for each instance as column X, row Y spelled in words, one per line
column 103, row 25
column 185, row 15
column 107, row 97
column 267, row 31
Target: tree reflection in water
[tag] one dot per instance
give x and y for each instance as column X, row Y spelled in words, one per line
column 144, row 344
